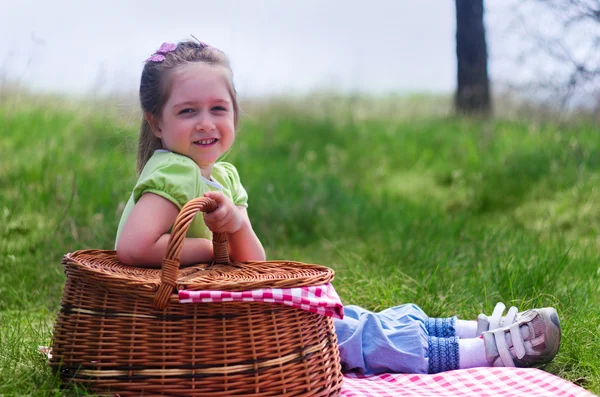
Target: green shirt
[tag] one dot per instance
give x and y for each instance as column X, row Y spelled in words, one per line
column 178, row 179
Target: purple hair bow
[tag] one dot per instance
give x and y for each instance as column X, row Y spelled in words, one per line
column 159, row 55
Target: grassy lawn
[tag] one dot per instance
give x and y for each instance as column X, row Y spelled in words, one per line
column 449, row 213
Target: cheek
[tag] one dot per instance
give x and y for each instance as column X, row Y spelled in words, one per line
column 179, row 128
column 227, row 125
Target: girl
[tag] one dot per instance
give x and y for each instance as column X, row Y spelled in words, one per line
column 190, row 118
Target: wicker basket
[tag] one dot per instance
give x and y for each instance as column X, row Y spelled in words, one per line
column 120, row 330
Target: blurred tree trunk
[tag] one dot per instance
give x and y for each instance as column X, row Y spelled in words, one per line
column 473, row 91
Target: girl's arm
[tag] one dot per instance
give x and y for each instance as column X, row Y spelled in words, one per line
column 144, row 238
column 244, row 245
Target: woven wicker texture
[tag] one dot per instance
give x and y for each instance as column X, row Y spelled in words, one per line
column 120, row 330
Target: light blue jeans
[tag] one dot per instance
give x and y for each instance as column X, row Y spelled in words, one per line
column 401, row 339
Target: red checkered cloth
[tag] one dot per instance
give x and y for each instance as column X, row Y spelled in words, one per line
column 320, row 299
column 474, row 382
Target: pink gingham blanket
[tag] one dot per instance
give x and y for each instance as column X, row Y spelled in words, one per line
column 474, row 382
column 320, row 299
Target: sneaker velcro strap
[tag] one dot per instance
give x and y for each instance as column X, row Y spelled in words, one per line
column 517, row 340
column 496, row 320
column 510, row 316
column 496, row 316
column 502, row 347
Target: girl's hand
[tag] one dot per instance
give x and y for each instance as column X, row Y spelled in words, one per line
column 244, row 245
column 227, row 218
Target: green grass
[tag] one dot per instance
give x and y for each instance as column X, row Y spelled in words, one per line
column 449, row 213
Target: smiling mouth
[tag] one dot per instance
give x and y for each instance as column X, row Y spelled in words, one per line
column 206, row 142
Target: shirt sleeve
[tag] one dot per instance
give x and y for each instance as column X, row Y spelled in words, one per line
column 239, row 196
column 176, row 181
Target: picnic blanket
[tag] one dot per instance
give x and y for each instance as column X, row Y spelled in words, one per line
column 474, row 382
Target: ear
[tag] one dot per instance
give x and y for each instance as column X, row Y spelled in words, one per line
column 154, row 124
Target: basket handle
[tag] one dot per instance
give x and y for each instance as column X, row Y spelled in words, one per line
column 170, row 263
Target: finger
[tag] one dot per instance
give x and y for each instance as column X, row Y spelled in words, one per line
column 219, row 197
column 217, row 215
column 219, row 219
column 218, row 227
column 224, row 226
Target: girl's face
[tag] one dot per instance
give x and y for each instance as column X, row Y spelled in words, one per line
column 197, row 120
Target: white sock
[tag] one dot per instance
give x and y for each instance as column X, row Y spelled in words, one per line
column 471, row 353
column 466, row 329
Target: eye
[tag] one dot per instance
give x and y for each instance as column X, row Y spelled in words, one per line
column 219, row 109
column 186, row 110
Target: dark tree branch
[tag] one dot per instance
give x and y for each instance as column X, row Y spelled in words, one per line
column 561, row 38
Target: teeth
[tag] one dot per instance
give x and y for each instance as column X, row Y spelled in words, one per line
column 206, row 141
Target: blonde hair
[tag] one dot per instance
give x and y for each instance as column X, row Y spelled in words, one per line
column 155, row 85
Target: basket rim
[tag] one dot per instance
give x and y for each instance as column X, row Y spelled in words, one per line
column 103, row 267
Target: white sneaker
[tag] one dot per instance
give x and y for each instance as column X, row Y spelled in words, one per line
column 533, row 338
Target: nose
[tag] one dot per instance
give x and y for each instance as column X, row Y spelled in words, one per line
column 205, row 122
